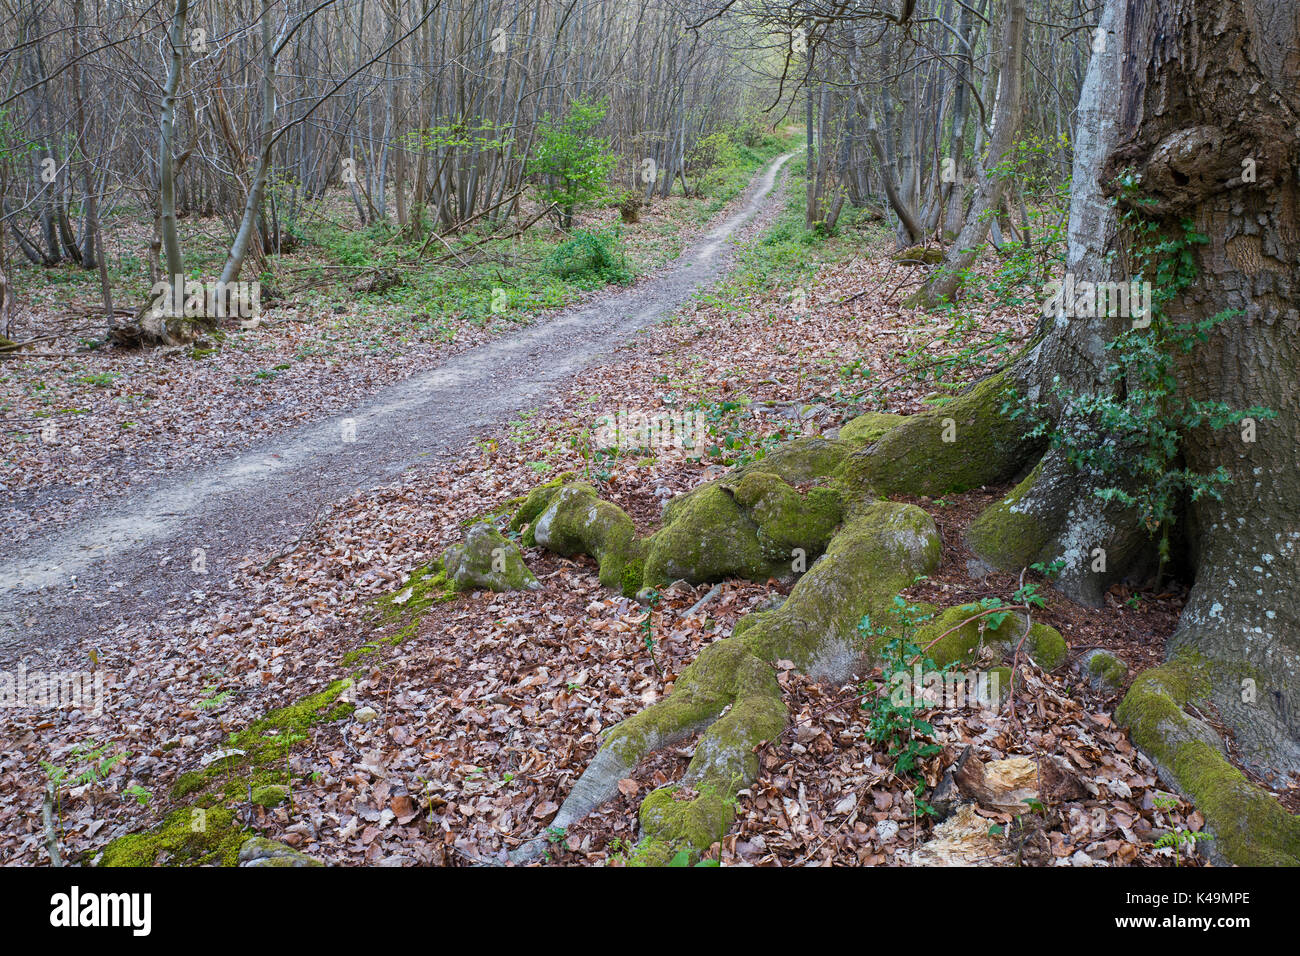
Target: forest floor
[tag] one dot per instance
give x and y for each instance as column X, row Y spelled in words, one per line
column 60, row 586
column 474, row 717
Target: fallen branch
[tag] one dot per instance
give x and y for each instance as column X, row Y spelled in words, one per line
column 51, row 837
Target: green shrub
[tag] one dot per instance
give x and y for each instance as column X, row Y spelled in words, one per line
column 572, row 164
column 590, row 258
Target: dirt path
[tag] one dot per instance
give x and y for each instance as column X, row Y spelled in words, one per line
column 75, row 587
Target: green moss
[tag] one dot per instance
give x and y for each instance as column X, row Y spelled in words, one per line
column 869, row 428
column 492, row 514
column 870, row 560
column 486, row 560
column 536, row 501
column 962, row 643
column 1046, row 646
column 633, row 574
column 701, row 692
column 576, row 521
column 270, row 795
column 866, row 564
column 1043, row 644
column 266, row 744
column 1251, row 828
column 674, row 824
column 801, row 460
column 261, row 852
column 787, row 520
column 187, row 783
column 708, row 539
column 1006, row 537
column 403, row 609
column 931, row 255
column 930, row 455
column 796, row 462
column 651, row 853
column 725, row 758
column 1108, row 669
column 188, row 836
column 265, row 739
column 426, row 587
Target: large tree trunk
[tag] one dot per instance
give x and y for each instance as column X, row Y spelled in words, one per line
column 1217, row 96
column 1199, row 102
column 1209, row 90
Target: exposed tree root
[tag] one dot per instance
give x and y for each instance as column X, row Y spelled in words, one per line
column 747, row 524
column 963, row 444
column 1251, row 828
column 730, row 692
column 1053, row 513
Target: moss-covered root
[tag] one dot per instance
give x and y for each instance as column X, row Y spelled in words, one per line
column 867, row 563
column 576, row 521
column 963, row 444
column 1250, row 827
column 954, row 635
column 699, row 813
column 1054, row 513
column 535, row 502
column 750, row 525
column 487, row 561
column 871, row 559
column 702, row 691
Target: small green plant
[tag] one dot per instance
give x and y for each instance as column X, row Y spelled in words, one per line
column 141, row 795
column 727, row 442
column 684, row 857
column 1180, row 840
column 590, row 258
column 895, row 724
column 213, row 698
column 1050, row 570
column 87, row 764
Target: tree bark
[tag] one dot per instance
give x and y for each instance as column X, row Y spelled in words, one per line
column 946, row 280
column 1199, row 102
column 166, row 174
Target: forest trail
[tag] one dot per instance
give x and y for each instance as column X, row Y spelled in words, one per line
column 75, row 586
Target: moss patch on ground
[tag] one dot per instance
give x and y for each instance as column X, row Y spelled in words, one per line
column 205, row 829
column 189, row 836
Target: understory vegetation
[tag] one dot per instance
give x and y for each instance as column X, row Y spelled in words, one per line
column 699, row 434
